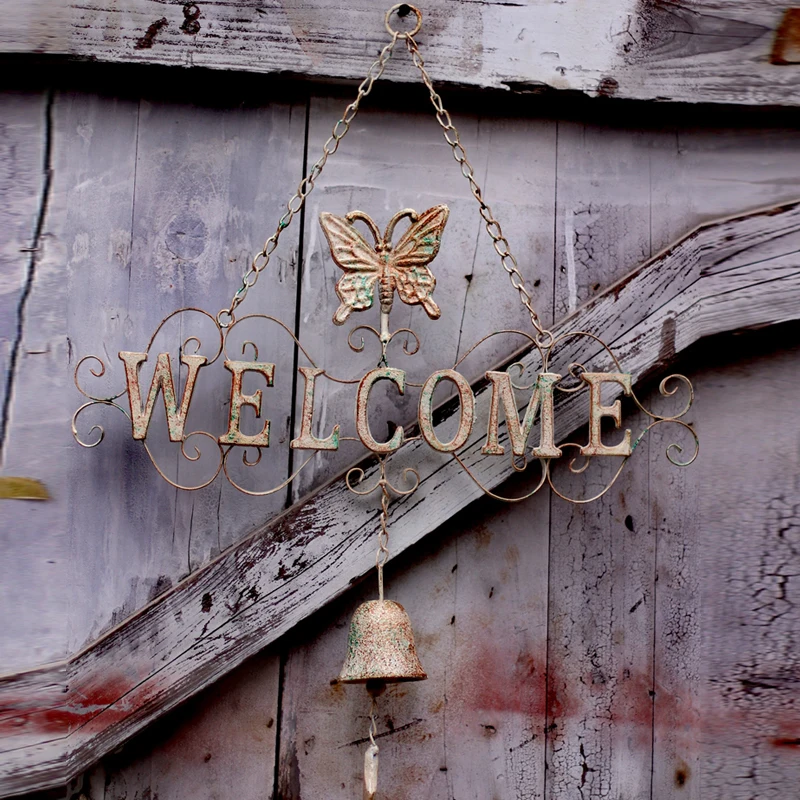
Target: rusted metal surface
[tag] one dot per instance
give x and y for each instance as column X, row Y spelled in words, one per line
column 505, row 396
column 542, row 396
column 234, row 435
column 402, row 267
column 162, row 382
column 397, row 377
column 380, row 646
column 466, row 418
column 598, row 411
column 306, row 440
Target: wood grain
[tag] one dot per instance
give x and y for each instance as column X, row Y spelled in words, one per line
column 747, row 588
column 735, row 273
column 221, row 741
column 36, row 552
column 173, row 196
column 703, row 51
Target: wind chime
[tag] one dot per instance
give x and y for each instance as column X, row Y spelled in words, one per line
column 381, row 647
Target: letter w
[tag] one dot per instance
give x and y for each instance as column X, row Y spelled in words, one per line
column 162, row 382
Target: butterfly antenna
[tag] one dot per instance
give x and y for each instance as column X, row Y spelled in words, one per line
column 354, row 216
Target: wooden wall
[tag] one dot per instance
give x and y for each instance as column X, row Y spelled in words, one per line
column 642, row 647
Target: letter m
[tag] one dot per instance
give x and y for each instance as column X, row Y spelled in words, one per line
column 518, row 433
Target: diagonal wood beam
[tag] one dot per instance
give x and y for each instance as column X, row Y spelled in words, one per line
column 56, row 721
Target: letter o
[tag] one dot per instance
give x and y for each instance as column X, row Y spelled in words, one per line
column 466, row 420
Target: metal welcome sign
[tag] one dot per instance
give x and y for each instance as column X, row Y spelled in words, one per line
column 378, row 266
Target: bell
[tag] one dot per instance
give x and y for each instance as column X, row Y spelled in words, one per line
column 381, row 645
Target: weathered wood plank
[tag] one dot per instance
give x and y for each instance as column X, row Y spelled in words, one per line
column 741, row 271
column 748, row 576
column 701, row 51
column 600, row 628
column 111, row 261
column 621, row 194
column 221, row 742
column 679, row 750
column 174, row 196
column 22, row 161
column 35, row 551
column 117, row 261
column 600, row 634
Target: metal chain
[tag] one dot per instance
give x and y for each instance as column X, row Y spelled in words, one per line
column 225, row 317
column 382, row 555
column 501, row 246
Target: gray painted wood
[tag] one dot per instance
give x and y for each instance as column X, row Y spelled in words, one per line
column 726, row 168
column 622, row 195
column 600, row 633
column 748, row 576
column 703, row 51
column 91, row 293
column 31, row 543
column 23, row 160
column 109, row 269
column 723, row 717
column 707, row 274
column 198, row 188
column 475, row 728
column 679, row 746
column 219, row 743
column 602, row 556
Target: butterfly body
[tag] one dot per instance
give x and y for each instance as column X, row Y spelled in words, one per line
column 384, row 266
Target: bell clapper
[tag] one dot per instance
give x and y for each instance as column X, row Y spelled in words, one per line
column 371, row 754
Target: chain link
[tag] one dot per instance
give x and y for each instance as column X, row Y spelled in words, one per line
column 382, row 554
column 501, row 246
column 225, row 317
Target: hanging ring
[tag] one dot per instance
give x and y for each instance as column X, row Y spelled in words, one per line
column 414, row 10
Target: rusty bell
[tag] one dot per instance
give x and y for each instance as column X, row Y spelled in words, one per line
column 381, row 645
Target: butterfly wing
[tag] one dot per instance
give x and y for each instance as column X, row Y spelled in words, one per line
column 361, row 265
column 408, row 261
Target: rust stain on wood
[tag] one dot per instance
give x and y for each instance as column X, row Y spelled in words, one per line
column 191, row 13
column 786, row 742
column 608, row 87
column 786, row 49
column 146, row 42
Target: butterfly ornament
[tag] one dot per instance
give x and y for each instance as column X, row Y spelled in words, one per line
column 401, row 267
